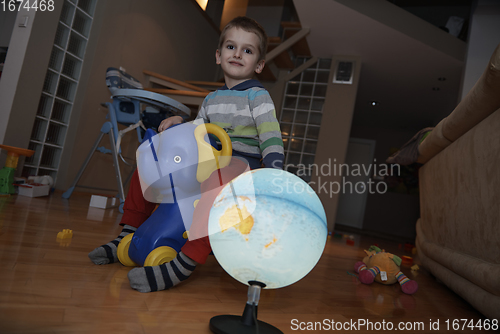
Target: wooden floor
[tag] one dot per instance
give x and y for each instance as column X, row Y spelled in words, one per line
column 51, row 287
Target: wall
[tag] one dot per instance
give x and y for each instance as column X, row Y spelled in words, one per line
column 484, row 36
column 168, row 37
column 408, row 24
column 23, row 76
column 389, row 214
column 395, row 214
column 7, row 20
column 439, row 15
column 232, row 9
column 267, row 13
column 334, row 134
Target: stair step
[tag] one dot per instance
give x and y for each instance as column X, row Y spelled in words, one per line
column 283, row 60
column 177, row 92
column 266, row 74
column 273, row 40
column 291, row 24
column 210, row 85
column 172, row 83
column 301, row 48
column 188, row 97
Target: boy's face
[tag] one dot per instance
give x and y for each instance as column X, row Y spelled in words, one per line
column 239, row 56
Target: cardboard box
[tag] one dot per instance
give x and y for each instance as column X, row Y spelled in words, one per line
column 103, row 202
column 34, row 190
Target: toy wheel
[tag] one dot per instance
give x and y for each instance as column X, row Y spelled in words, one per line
column 160, row 255
column 122, row 251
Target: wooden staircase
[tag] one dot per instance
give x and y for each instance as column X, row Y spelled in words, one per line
column 191, row 93
column 280, row 55
column 301, row 48
column 282, row 50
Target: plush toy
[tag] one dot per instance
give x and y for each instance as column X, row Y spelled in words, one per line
column 384, row 268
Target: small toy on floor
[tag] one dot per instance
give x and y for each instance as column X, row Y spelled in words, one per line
column 65, row 234
column 64, row 237
column 383, row 268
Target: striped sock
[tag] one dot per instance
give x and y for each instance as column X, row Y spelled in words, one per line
column 367, row 275
column 107, row 253
column 407, row 285
column 360, row 265
column 374, row 271
column 162, row 277
column 402, row 279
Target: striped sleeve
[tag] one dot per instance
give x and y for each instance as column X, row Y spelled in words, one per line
column 202, row 113
column 268, row 129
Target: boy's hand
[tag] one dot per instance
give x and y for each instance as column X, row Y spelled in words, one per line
column 168, row 122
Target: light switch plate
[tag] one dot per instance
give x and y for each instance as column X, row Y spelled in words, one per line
column 23, row 22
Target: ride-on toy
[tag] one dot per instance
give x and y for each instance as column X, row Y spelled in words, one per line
column 171, row 167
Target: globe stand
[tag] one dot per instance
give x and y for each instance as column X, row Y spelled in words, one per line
column 247, row 323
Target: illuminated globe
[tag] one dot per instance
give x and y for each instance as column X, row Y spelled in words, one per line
column 268, row 226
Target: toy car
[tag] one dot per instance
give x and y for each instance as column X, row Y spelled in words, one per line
column 171, row 167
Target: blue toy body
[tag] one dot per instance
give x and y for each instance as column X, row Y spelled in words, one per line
column 164, row 227
column 171, row 167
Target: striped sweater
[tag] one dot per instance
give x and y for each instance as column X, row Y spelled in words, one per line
column 246, row 112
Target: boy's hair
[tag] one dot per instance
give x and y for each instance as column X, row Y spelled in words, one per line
column 249, row 25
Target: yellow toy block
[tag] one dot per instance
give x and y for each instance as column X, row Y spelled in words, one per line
column 64, row 242
column 415, row 267
column 65, row 234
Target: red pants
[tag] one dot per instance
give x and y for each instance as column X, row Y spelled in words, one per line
column 137, row 210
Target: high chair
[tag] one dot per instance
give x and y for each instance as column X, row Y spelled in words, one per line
column 135, row 108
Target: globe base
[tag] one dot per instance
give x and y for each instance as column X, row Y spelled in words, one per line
column 232, row 324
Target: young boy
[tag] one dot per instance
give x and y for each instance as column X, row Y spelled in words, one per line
column 243, row 107
column 245, row 110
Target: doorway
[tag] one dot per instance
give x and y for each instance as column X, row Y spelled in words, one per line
column 355, row 182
